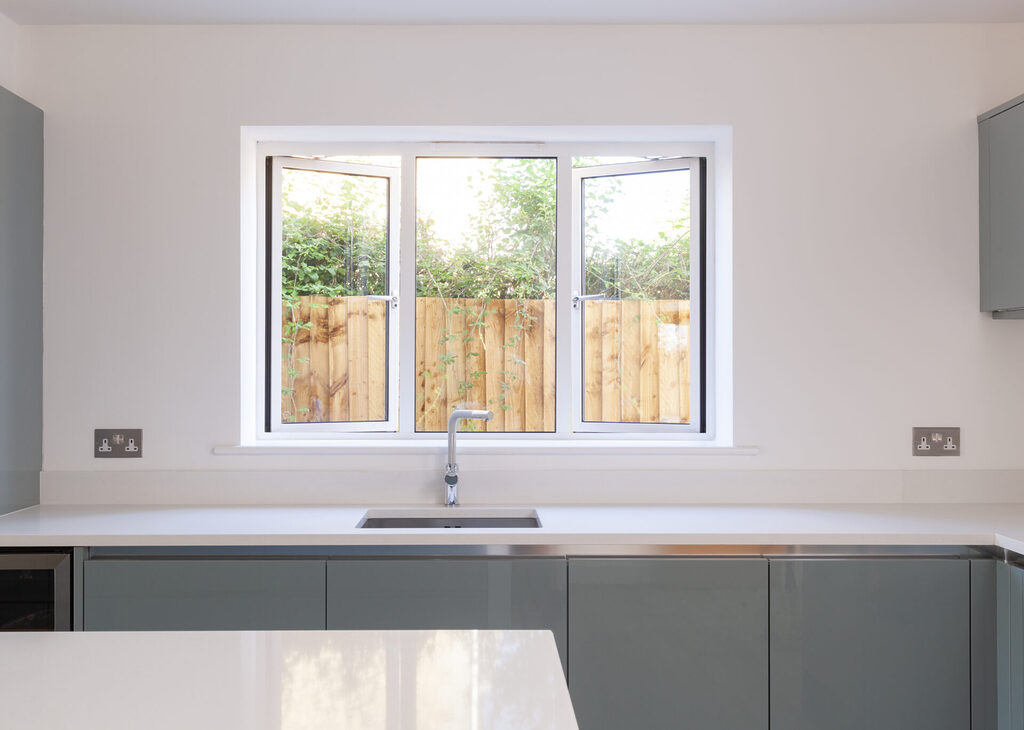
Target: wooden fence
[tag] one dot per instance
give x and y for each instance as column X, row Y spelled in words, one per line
column 636, row 364
column 333, row 360
column 494, row 354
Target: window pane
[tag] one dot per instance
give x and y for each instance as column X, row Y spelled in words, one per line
column 485, row 292
column 334, row 365
column 636, row 339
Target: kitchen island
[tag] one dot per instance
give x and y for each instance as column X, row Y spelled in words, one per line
column 284, row 680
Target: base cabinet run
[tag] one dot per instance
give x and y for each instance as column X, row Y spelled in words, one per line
column 448, row 593
column 880, row 644
column 654, row 643
column 669, row 643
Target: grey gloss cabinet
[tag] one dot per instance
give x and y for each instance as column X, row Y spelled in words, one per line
column 1001, row 156
column 204, row 594
column 881, row 644
column 668, row 643
column 21, row 301
column 448, row 593
column 1010, row 647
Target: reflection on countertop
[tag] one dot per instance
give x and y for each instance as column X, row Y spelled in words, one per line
column 285, row 680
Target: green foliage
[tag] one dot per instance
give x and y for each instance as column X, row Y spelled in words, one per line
column 511, row 251
column 334, row 244
column 641, row 269
column 334, row 236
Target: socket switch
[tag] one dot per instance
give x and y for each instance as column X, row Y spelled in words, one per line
column 117, row 443
column 936, row 441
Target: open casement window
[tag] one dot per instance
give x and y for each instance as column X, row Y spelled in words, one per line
column 636, row 296
column 566, row 293
column 332, row 344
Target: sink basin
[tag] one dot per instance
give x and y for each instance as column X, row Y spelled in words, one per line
column 446, row 518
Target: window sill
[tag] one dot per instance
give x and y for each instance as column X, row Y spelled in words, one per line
column 485, row 446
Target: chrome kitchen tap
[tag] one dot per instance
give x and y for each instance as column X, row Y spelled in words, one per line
column 451, row 469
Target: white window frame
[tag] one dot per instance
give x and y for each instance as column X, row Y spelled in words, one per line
column 274, row 326
column 369, row 142
column 579, row 175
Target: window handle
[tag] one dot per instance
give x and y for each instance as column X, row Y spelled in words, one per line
column 577, row 298
column 393, row 298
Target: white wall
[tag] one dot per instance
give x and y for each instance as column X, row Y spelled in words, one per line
column 11, row 53
column 855, row 171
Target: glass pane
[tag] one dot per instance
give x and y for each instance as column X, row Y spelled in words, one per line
column 334, row 365
column 485, row 292
column 636, row 339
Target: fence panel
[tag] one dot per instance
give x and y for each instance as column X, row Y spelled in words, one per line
column 496, row 354
column 636, row 365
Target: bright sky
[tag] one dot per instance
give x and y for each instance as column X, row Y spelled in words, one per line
column 449, row 190
column 643, row 205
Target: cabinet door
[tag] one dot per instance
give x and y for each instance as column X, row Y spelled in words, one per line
column 1001, row 149
column 881, row 644
column 448, row 593
column 170, row 595
column 669, row 643
column 21, row 301
column 1010, row 646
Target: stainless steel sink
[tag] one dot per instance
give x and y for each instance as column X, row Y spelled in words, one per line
column 447, row 518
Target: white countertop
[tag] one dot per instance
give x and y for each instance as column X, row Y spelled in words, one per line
column 1000, row 525
column 284, row 680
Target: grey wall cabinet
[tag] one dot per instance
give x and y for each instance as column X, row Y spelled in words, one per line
column 21, row 301
column 448, row 593
column 1001, row 155
column 880, row 644
column 201, row 594
column 668, row 643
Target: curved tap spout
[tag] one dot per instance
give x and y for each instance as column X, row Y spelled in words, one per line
column 451, row 470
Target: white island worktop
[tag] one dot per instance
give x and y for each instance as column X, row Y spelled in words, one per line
column 284, row 680
column 998, row 525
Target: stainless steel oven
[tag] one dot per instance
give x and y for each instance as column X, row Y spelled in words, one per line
column 35, row 591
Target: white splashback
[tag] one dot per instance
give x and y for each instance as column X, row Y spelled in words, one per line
column 549, row 487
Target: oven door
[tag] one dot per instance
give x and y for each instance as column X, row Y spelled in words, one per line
column 35, row 592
